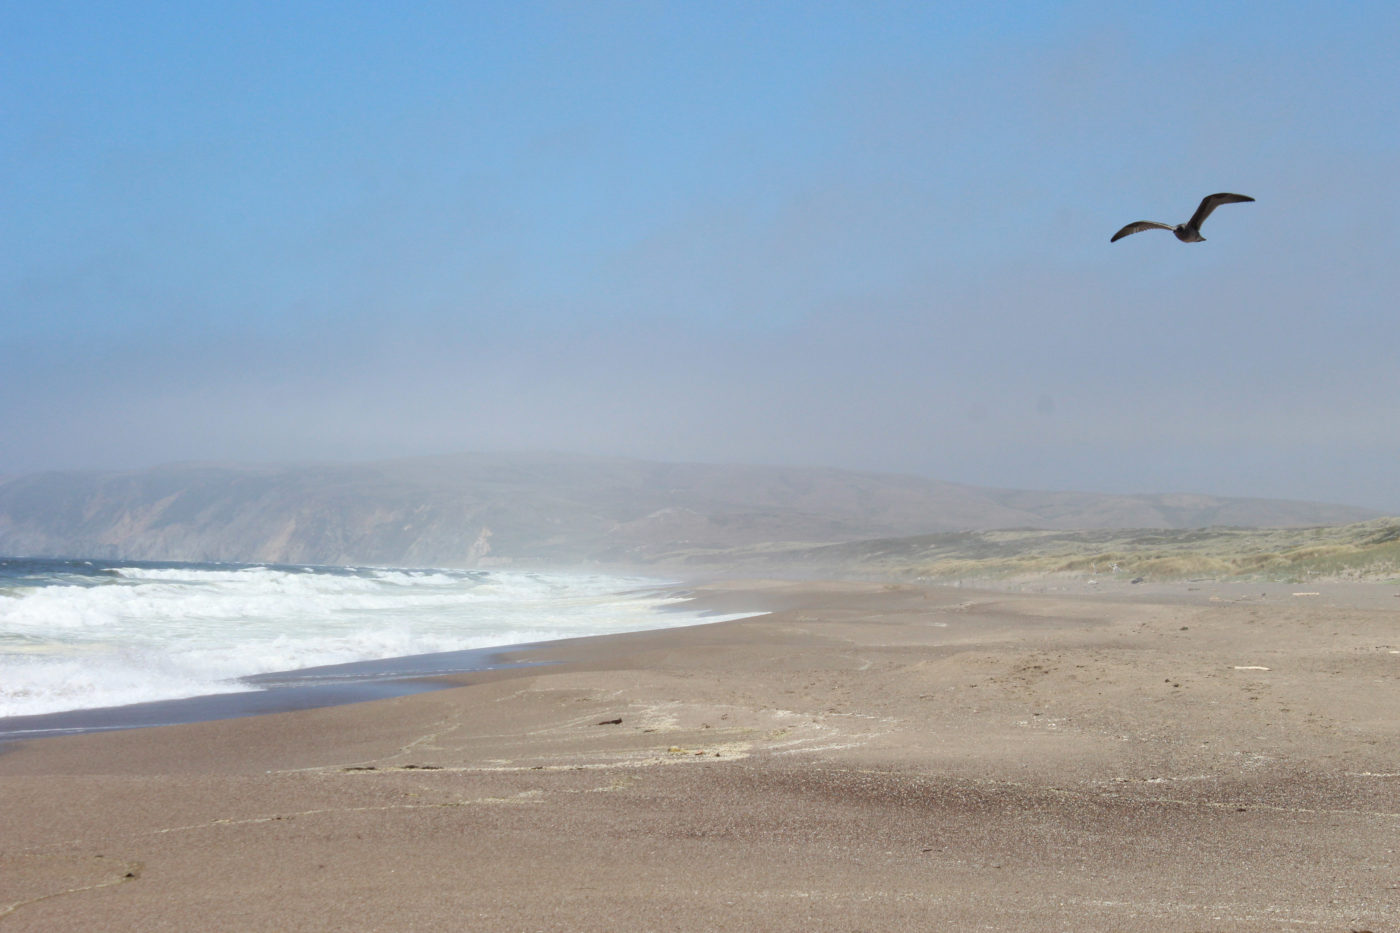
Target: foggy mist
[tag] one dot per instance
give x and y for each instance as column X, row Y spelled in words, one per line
column 866, row 236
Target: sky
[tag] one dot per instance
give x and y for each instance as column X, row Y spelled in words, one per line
column 870, row 235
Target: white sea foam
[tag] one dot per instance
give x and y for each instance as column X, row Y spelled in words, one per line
column 151, row 633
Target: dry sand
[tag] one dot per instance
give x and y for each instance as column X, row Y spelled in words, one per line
column 867, row 757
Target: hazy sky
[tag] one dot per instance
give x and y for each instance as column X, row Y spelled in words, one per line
column 869, row 235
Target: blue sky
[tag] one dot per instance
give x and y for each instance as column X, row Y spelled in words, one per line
column 868, row 235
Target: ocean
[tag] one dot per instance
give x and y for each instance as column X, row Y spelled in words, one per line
column 90, row 634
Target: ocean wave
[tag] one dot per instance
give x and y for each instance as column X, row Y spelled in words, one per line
column 139, row 633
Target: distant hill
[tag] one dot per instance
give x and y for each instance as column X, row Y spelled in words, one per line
column 549, row 510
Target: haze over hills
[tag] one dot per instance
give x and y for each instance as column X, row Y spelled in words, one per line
column 550, row 510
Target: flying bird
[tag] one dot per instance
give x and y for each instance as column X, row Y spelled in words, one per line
column 1189, row 232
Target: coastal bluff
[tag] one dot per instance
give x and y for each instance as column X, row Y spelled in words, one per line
column 483, row 510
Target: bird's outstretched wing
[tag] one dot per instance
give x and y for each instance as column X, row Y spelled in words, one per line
column 1138, row 227
column 1209, row 203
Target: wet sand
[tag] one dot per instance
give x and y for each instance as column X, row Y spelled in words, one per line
column 866, row 757
column 284, row 691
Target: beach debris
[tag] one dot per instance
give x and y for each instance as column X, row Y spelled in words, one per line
column 1251, row 667
column 421, row 768
column 1307, row 594
column 1189, row 232
column 611, row 722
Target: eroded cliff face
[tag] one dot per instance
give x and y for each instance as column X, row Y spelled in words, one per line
column 485, row 510
column 289, row 515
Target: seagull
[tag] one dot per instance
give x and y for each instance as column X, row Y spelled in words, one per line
column 1189, row 232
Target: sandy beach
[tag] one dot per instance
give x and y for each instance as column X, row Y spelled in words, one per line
column 865, row 756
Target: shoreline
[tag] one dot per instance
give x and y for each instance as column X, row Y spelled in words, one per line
column 310, row 687
column 867, row 755
column 276, row 692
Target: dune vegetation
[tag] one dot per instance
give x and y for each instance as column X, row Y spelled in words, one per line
column 1360, row 551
